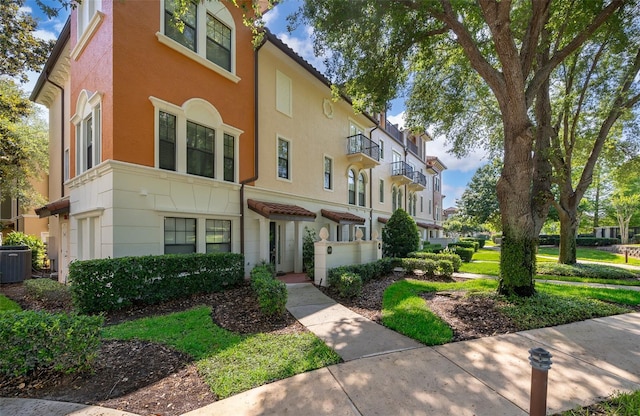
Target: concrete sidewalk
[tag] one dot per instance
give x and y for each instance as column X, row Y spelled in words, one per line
column 488, row 376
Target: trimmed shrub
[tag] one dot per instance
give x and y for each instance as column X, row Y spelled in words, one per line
column 426, row 265
column 39, row 341
column 445, row 268
column 110, row 284
column 400, row 235
column 455, row 260
column 466, row 244
column 465, row 253
column 548, row 240
column 596, row 241
column 49, row 291
column 272, row 294
column 480, row 241
column 16, row 238
column 308, row 251
column 348, row 284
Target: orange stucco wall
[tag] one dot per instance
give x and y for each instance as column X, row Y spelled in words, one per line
column 134, row 65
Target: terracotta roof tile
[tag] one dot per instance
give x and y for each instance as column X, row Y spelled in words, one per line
column 273, row 210
column 342, row 217
column 61, row 206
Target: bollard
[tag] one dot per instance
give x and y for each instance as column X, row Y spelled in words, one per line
column 540, row 360
column 626, row 255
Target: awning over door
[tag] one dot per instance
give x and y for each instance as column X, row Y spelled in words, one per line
column 383, row 220
column 61, row 206
column 428, row 226
column 285, row 212
column 342, row 218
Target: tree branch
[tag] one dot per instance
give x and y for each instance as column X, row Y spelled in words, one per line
column 539, row 17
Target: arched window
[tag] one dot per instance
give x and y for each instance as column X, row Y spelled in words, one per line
column 394, row 198
column 415, row 203
column 361, row 189
column 352, row 187
column 399, row 198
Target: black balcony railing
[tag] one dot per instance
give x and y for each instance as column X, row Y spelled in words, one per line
column 393, row 131
column 419, row 178
column 359, row 143
column 401, row 168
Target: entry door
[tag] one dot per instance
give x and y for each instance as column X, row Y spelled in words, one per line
column 64, row 248
column 275, row 245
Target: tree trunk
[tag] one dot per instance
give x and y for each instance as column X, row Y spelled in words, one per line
column 568, row 231
column 519, row 236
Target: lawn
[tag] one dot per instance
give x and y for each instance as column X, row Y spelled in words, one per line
column 591, row 254
column 229, row 363
column 406, row 312
column 7, row 304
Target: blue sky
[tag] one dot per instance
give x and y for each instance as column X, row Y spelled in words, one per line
column 459, row 171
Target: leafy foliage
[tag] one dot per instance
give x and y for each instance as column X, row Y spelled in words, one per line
column 348, row 284
column 479, row 201
column 400, row 235
column 272, row 293
column 49, row 291
column 110, row 284
column 17, row 238
column 39, row 341
column 308, row 250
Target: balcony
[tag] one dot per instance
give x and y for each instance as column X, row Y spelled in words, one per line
column 419, row 181
column 362, row 151
column 393, row 131
column 401, row 173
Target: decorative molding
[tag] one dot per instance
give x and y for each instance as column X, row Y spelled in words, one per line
column 88, row 33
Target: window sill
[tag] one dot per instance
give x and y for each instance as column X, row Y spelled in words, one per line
column 86, row 36
column 195, row 57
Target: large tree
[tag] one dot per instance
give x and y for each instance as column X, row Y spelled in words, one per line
column 594, row 88
column 491, row 60
column 480, row 200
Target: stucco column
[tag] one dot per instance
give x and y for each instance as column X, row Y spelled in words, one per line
column 297, row 251
column 263, row 238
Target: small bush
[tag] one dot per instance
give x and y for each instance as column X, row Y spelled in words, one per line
column 445, row 268
column 348, row 284
column 595, row 271
column 636, row 239
column 400, row 235
column 452, row 257
column 426, row 265
column 465, row 253
column 272, row 294
column 466, row 244
column 49, row 291
column 431, row 248
column 480, row 241
column 39, row 341
column 36, row 245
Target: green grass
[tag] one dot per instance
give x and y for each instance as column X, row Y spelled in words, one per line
column 406, row 312
column 483, row 267
column 7, row 304
column 591, row 254
column 229, row 363
column 588, row 280
column 622, row 404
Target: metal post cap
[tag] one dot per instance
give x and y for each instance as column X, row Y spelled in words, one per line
column 540, row 358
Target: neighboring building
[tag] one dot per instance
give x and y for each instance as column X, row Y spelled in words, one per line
column 448, row 212
column 158, row 144
column 14, row 217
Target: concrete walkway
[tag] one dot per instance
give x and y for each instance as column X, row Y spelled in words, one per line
column 385, row 373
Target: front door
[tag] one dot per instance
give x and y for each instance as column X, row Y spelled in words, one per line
column 275, row 252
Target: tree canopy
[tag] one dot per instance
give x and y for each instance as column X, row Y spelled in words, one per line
column 479, row 200
column 475, row 70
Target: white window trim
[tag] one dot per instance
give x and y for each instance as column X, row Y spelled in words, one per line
column 85, row 37
column 89, row 102
column 381, row 196
column 290, row 171
column 200, row 56
column 191, row 110
column 331, row 185
column 381, row 145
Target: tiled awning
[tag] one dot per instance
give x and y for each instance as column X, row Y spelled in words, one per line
column 275, row 211
column 428, row 226
column 383, row 220
column 342, row 218
column 61, row 206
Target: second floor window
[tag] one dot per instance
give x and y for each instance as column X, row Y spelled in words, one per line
column 283, row 159
column 352, row 187
column 188, row 37
column 361, row 191
column 229, row 158
column 200, row 145
column 167, row 138
column 381, row 190
column 218, row 42
column 87, row 121
column 328, row 171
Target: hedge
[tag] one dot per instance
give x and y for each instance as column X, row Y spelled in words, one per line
column 348, row 284
column 110, row 284
column 430, row 267
column 465, row 244
column 554, row 240
column 40, row 341
column 272, row 294
column 427, row 247
column 480, row 241
column 465, row 253
column 452, row 257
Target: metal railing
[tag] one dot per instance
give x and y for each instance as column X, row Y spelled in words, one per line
column 393, row 131
column 359, row 143
column 401, row 168
column 420, row 178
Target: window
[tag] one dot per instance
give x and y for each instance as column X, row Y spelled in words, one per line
column 65, row 169
column 394, row 199
column 284, row 94
column 200, row 154
column 218, row 236
column 399, row 198
column 207, row 36
column 414, row 202
column 421, row 204
column 167, row 138
column 179, row 235
column 188, row 37
column 436, row 183
column 229, row 158
column 361, row 190
column 382, row 191
column 88, row 133
column 328, row 171
column 355, row 129
column 410, row 206
column 352, row 187
column 283, row 159
column 218, row 42
column 88, row 19
column 429, row 207
column 194, row 139
column 381, row 149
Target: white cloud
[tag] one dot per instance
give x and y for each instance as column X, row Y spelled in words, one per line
column 25, row 10
column 397, row 119
column 45, row 34
column 452, row 193
column 304, row 47
column 270, row 16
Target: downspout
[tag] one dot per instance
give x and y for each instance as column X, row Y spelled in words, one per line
column 371, row 187
column 62, row 123
column 255, row 144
